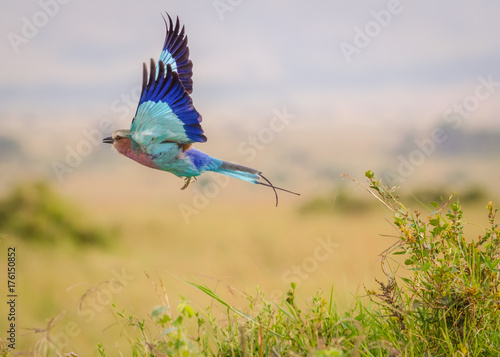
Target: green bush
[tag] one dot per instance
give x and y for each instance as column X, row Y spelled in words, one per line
column 35, row 212
column 338, row 202
column 470, row 194
column 449, row 303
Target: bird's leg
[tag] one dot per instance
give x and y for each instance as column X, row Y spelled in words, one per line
column 187, row 181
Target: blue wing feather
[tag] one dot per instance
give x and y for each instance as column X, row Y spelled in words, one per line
column 176, row 53
column 165, row 112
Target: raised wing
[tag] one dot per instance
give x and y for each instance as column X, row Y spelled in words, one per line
column 165, row 112
column 176, row 53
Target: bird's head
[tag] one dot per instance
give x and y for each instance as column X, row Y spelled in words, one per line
column 120, row 140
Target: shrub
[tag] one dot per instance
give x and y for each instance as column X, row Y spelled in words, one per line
column 449, row 302
column 35, row 212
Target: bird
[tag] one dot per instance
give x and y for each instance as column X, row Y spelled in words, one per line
column 166, row 123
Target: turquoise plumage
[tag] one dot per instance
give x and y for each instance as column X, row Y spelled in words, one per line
column 166, row 124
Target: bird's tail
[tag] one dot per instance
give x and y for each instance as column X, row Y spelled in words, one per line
column 248, row 174
column 239, row 171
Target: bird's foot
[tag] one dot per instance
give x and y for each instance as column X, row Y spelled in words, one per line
column 187, row 181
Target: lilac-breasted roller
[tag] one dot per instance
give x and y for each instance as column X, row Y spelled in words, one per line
column 166, row 124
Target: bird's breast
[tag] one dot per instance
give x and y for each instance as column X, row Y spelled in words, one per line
column 123, row 146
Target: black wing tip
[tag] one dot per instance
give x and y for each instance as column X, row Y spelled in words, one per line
column 169, row 20
column 176, row 43
column 157, row 74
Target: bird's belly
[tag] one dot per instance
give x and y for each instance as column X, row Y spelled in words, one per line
column 179, row 166
column 175, row 162
column 142, row 158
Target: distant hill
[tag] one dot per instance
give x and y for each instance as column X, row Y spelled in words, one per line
column 10, row 148
column 457, row 143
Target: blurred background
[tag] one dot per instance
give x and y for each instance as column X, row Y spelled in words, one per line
column 303, row 91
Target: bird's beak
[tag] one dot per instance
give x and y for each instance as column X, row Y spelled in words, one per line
column 108, row 140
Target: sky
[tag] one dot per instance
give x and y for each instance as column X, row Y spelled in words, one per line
column 366, row 84
column 347, row 62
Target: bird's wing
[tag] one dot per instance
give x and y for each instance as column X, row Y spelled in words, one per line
column 176, row 53
column 165, row 112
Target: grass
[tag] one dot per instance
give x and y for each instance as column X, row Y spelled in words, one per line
column 265, row 329
column 440, row 297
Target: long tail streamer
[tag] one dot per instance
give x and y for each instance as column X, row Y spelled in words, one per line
column 269, row 184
